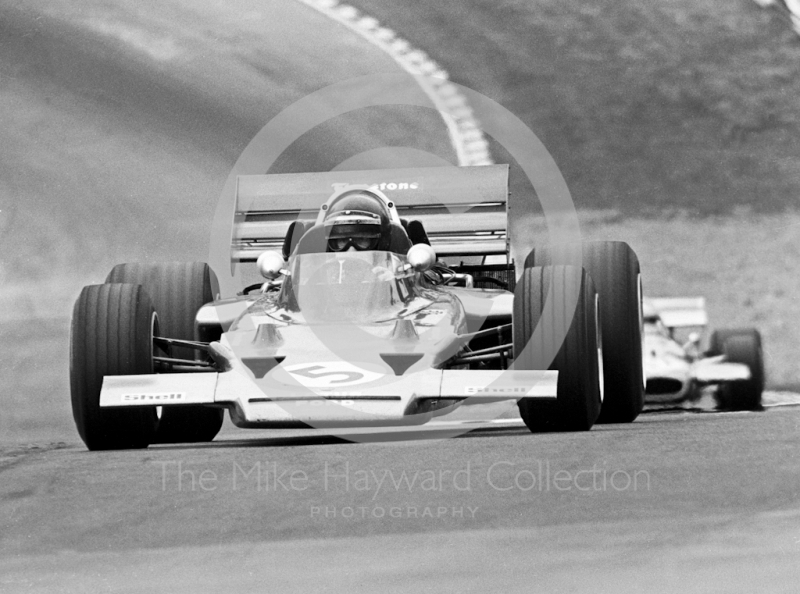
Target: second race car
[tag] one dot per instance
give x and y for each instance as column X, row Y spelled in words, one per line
column 678, row 370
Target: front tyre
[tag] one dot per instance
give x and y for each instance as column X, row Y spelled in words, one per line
column 614, row 269
column 111, row 334
column 741, row 346
column 178, row 291
column 556, row 327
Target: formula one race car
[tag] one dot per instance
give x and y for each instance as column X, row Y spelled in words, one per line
column 677, row 371
column 379, row 309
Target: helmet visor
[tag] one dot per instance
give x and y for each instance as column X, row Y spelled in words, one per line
column 342, row 244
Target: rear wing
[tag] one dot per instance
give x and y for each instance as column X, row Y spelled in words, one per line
column 680, row 312
column 463, row 209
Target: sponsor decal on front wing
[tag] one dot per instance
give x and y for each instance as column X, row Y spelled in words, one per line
column 494, row 390
column 154, row 397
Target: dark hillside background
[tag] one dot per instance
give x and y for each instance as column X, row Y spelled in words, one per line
column 648, row 106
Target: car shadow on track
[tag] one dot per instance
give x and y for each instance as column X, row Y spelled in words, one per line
column 365, row 438
column 380, row 437
column 231, row 439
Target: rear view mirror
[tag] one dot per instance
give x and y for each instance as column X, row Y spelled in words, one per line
column 270, row 265
column 421, row 257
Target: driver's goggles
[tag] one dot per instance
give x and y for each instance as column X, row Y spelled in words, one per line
column 342, row 244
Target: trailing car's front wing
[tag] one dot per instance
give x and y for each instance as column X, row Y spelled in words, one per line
column 716, row 370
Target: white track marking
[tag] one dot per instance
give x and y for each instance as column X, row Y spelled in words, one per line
column 465, row 132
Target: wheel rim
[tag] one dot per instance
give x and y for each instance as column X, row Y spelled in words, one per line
column 599, row 340
column 639, row 295
column 154, row 332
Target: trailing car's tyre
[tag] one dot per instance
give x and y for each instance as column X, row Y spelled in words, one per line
column 741, row 346
column 556, row 327
column 716, row 342
column 614, row 269
column 178, row 290
column 111, row 334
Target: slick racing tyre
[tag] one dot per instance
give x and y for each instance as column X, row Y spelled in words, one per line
column 178, row 290
column 716, row 342
column 740, row 346
column 111, row 334
column 614, row 269
column 556, row 314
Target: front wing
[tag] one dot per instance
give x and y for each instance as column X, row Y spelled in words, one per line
column 279, row 400
column 715, row 370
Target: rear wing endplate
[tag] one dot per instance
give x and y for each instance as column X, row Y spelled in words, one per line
column 463, row 209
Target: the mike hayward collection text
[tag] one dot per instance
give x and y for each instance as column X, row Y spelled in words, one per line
column 536, row 476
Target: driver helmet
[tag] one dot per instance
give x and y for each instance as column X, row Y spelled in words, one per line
column 649, row 312
column 357, row 221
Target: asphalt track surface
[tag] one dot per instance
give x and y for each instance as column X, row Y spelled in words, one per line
column 672, row 502
column 676, row 501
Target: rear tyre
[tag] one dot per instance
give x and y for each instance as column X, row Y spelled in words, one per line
column 614, row 269
column 111, row 334
column 556, row 327
column 716, row 342
column 741, row 346
column 178, row 290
